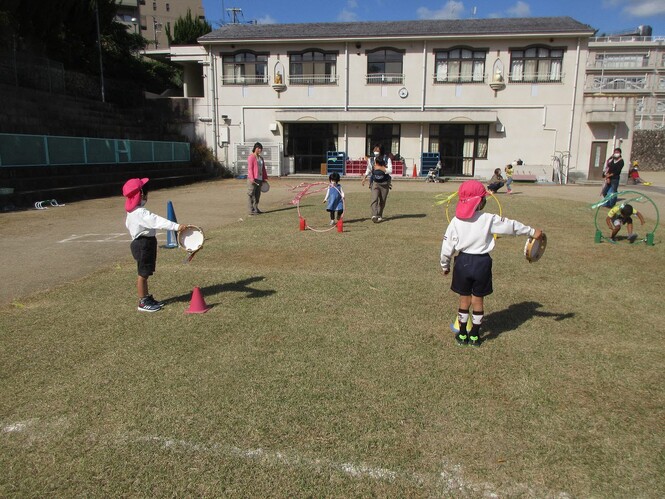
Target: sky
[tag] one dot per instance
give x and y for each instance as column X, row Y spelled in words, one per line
column 607, row 16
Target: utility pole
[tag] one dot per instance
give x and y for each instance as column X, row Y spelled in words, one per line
column 99, row 48
column 155, row 25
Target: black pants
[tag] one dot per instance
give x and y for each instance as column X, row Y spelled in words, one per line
column 332, row 214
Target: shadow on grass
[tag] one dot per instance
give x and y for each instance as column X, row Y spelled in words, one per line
column 514, row 316
column 406, row 215
column 237, row 286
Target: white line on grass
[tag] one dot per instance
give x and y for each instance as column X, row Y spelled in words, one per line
column 450, row 480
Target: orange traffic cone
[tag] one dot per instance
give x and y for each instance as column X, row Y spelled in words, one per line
column 303, row 225
column 340, row 225
column 197, row 305
column 415, row 171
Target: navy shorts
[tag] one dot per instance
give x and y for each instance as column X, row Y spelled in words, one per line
column 472, row 275
column 144, row 251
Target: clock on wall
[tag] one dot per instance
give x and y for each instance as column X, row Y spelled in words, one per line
column 403, row 93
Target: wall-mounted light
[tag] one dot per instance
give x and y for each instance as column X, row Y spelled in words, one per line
column 358, row 45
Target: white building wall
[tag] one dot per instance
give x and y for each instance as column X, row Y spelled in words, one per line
column 536, row 117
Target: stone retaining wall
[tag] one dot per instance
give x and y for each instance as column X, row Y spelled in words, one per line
column 649, row 149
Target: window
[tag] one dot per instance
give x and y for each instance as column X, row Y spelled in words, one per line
column 386, row 134
column 385, row 66
column 460, row 66
column 313, row 67
column 621, row 61
column 459, row 146
column 245, row 68
column 168, row 7
column 536, row 64
column 154, row 5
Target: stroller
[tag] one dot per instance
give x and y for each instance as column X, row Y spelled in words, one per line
column 433, row 174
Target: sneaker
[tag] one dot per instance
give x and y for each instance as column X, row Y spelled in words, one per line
column 152, row 300
column 379, row 220
column 631, row 238
column 474, row 341
column 375, row 219
column 259, row 212
column 462, row 339
column 145, row 305
column 332, row 222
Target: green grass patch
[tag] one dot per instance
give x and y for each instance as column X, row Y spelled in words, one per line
column 326, row 367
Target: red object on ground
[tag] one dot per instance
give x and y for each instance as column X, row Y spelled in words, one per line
column 197, row 304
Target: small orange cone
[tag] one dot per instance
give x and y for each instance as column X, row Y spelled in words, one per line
column 340, row 225
column 197, row 305
column 415, row 171
column 303, row 225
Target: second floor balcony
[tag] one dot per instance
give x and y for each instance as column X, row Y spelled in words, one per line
column 617, row 84
column 313, row 79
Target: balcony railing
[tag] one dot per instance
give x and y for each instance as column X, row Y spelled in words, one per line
column 629, row 84
column 384, row 78
column 535, row 78
column 313, row 80
column 650, row 121
column 619, row 64
column 624, row 39
column 443, row 79
column 245, row 80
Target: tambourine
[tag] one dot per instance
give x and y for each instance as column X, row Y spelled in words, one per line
column 534, row 248
column 191, row 239
column 265, row 186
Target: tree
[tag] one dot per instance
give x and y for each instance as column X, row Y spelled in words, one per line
column 186, row 30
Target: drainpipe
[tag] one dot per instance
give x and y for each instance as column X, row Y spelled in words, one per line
column 346, row 77
column 213, row 93
column 424, row 89
column 572, row 109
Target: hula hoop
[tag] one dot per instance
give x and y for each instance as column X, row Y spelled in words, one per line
column 306, row 192
column 638, row 199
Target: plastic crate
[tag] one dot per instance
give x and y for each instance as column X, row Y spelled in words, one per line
column 335, row 161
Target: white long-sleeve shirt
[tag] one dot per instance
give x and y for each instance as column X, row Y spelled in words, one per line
column 476, row 235
column 141, row 222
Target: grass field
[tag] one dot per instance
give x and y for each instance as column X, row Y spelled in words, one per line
column 326, row 367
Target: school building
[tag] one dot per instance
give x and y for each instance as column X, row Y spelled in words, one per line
column 475, row 93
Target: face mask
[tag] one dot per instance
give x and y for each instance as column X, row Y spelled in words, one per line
column 376, row 153
column 617, row 155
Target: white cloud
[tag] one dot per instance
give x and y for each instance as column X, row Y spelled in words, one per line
column 267, row 19
column 645, row 8
column 638, row 8
column 451, row 10
column 347, row 16
column 520, row 9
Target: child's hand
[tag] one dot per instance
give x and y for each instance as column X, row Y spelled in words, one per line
column 538, row 234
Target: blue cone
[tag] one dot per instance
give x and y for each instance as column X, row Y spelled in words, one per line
column 171, row 237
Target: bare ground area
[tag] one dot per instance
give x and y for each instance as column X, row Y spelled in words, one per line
column 44, row 249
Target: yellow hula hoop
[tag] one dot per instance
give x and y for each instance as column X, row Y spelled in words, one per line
column 452, row 196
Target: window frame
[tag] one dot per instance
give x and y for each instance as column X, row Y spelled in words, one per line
column 380, row 74
column 542, row 65
column 328, row 61
column 477, row 55
column 233, row 78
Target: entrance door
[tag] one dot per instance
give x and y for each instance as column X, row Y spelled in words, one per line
column 597, row 160
column 309, row 143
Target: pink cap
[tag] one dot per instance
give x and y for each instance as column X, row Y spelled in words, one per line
column 132, row 191
column 470, row 194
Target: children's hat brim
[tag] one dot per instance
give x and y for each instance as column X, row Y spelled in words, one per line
column 470, row 194
column 132, row 191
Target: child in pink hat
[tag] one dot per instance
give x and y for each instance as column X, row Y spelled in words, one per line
column 142, row 225
column 471, row 235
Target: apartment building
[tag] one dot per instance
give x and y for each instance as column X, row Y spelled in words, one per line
column 150, row 18
column 476, row 93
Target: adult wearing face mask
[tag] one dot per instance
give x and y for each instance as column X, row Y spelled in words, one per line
column 613, row 168
column 379, row 169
